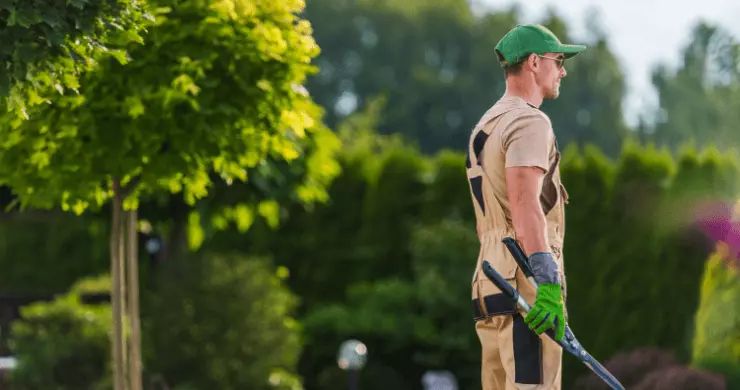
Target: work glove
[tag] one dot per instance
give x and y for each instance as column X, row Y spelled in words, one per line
column 548, row 310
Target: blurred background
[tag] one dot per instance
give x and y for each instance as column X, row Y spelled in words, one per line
column 296, row 227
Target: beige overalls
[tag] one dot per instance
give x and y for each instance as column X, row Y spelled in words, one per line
column 512, row 133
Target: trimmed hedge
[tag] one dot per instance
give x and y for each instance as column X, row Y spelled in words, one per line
column 630, row 243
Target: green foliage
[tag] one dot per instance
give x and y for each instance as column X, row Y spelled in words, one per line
column 414, row 322
column 46, row 252
column 395, row 187
column 716, row 343
column 630, row 241
column 63, row 344
column 367, row 211
column 223, row 322
column 614, row 217
column 214, row 94
column 447, row 194
column 49, row 44
column 616, row 244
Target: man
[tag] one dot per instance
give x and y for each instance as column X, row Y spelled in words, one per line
column 514, row 177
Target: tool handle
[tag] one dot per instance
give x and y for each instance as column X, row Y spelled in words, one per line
column 521, row 258
column 501, row 283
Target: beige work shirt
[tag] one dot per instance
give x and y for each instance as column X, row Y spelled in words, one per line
column 512, row 133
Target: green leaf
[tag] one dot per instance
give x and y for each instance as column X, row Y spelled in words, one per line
column 54, row 37
column 133, row 36
column 51, row 17
column 270, row 210
column 135, row 106
column 243, row 216
column 25, row 17
column 121, row 56
column 219, row 222
column 12, row 18
column 196, row 234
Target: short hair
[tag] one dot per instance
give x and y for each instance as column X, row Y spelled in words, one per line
column 513, row 69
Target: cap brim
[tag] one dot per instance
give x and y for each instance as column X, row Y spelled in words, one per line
column 570, row 50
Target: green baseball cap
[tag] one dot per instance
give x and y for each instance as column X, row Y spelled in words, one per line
column 524, row 40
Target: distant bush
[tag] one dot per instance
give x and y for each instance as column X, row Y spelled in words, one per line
column 408, row 323
column 63, row 344
column 681, row 378
column 717, row 335
column 222, row 322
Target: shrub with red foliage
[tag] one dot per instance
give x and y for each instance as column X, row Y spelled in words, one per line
column 651, row 369
column 681, row 378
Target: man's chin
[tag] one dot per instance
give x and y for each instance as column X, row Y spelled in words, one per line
column 552, row 94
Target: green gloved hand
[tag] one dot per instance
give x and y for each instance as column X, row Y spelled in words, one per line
column 548, row 311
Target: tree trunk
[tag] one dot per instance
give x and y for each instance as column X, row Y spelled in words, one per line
column 133, row 302
column 123, row 293
column 119, row 382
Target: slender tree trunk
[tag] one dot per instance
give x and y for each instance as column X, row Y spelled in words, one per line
column 122, row 256
column 133, row 302
column 116, row 290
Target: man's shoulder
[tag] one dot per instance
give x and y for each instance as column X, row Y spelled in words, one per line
column 515, row 112
column 527, row 112
column 527, row 119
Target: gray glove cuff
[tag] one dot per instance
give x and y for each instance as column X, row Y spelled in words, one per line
column 544, row 267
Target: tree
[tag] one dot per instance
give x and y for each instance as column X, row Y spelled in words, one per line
column 429, row 58
column 698, row 103
column 434, row 62
column 48, row 44
column 589, row 108
column 214, row 95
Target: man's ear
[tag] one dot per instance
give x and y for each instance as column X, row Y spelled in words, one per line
column 533, row 61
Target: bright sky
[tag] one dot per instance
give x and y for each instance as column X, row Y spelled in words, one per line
column 641, row 32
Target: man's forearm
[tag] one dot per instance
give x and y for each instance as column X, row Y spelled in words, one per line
column 529, row 222
column 530, row 227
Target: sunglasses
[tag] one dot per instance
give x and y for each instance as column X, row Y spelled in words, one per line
column 558, row 60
